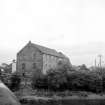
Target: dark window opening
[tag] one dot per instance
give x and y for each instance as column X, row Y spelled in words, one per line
column 23, row 66
column 23, row 69
column 34, row 56
column 34, row 65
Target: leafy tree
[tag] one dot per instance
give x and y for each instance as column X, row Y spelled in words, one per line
column 63, row 77
column 84, row 81
column 83, row 67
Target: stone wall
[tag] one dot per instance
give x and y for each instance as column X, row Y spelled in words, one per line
column 49, row 62
column 31, row 57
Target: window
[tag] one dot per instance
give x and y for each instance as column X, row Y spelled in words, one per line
column 23, row 69
column 34, row 56
column 34, row 65
column 46, row 65
column 23, row 66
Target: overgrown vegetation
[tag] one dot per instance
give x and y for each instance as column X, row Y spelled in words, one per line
column 64, row 78
column 12, row 81
column 15, row 82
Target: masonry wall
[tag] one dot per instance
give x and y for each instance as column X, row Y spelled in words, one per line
column 49, row 62
column 32, row 58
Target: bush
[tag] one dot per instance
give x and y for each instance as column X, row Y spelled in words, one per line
column 64, row 78
column 54, row 80
column 5, row 78
column 40, row 83
column 84, row 81
column 15, row 82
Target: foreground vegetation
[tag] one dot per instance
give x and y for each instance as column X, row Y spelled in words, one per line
column 65, row 78
column 63, row 81
column 62, row 78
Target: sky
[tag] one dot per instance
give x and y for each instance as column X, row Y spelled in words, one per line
column 74, row 27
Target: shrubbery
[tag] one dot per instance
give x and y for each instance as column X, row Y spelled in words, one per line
column 12, row 81
column 15, row 82
column 40, row 83
column 53, row 79
column 65, row 78
column 84, row 81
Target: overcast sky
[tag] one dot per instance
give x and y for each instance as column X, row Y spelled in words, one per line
column 74, row 27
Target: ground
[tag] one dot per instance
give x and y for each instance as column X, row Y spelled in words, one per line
column 39, row 97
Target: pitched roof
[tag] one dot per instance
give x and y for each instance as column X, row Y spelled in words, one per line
column 49, row 51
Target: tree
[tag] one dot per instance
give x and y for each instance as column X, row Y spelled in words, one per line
column 63, row 77
column 6, row 67
column 83, row 67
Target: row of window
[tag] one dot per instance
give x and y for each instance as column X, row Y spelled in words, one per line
column 24, row 66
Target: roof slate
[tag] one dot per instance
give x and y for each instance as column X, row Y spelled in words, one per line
column 48, row 51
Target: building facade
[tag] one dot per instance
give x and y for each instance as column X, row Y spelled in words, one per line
column 13, row 66
column 37, row 59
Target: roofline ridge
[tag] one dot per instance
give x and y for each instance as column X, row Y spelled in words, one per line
column 45, row 50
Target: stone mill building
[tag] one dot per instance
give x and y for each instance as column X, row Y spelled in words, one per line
column 37, row 59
